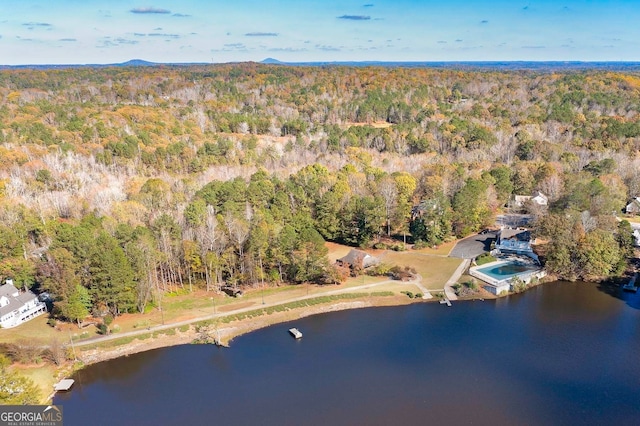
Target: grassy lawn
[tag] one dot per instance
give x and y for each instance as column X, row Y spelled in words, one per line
column 441, row 250
column 435, row 270
column 336, row 251
column 631, row 219
column 44, row 376
column 397, row 287
column 466, row 278
column 34, row 330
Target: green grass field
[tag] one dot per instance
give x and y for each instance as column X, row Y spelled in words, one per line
column 435, row 270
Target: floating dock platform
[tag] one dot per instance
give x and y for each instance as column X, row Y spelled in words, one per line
column 63, row 385
column 295, row 333
column 445, row 301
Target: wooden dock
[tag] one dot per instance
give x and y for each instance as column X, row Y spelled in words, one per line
column 295, row 333
column 446, row 301
column 63, row 385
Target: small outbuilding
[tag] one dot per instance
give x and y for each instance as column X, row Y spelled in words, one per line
column 357, row 259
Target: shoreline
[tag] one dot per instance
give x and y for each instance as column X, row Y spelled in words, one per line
column 182, row 333
column 228, row 331
column 171, row 335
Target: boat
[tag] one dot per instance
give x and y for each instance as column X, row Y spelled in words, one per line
column 295, row 333
column 631, row 285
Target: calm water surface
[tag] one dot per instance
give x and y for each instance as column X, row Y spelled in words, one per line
column 563, row 353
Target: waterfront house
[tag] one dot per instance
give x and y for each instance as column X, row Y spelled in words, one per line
column 633, row 207
column 17, row 307
column 514, row 241
column 357, row 259
column 508, row 239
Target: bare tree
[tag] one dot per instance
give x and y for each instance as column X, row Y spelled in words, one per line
column 208, row 239
column 389, row 191
column 239, row 232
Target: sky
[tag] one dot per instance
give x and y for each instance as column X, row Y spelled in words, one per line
column 113, row 31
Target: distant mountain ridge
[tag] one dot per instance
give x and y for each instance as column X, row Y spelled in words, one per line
column 130, row 63
column 468, row 65
column 501, row 65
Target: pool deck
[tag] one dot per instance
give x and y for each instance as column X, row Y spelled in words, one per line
column 526, row 276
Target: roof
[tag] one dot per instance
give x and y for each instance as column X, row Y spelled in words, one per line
column 634, row 203
column 8, row 290
column 358, row 257
column 543, row 199
column 14, row 297
column 518, row 234
column 521, row 198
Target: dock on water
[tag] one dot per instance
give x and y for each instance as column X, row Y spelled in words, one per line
column 295, row 333
column 631, row 285
column 63, row 385
column 445, row 301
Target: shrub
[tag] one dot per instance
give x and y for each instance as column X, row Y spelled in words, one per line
column 471, row 284
column 108, row 319
column 381, row 269
column 103, row 328
column 484, row 258
column 52, row 322
column 420, row 245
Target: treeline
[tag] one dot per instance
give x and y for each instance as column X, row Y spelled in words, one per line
column 267, row 230
column 118, row 185
column 184, row 119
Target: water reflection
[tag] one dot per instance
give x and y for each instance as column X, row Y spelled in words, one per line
column 563, row 353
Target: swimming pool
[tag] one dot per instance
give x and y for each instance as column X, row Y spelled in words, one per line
column 505, row 270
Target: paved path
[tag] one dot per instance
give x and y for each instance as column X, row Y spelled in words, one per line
column 418, row 282
column 426, row 294
column 448, row 287
column 473, row 246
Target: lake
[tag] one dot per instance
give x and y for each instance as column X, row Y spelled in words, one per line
column 561, row 353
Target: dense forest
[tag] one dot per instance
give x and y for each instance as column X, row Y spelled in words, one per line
column 119, row 184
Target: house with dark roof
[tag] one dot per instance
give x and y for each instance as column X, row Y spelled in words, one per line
column 17, row 307
column 515, row 241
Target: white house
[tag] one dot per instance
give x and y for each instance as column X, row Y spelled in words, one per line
column 538, row 198
column 514, row 241
column 17, row 307
column 633, row 207
column 520, row 200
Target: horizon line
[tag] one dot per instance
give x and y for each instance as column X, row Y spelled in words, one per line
column 274, row 61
